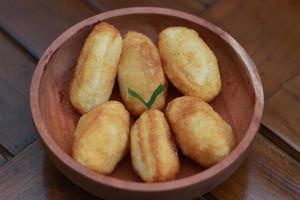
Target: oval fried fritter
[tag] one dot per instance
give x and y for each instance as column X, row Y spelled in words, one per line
column 96, row 68
column 200, row 132
column 153, row 151
column 101, row 137
column 189, row 63
column 140, row 69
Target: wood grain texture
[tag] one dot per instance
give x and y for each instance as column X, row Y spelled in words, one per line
column 275, row 50
column 268, row 173
column 282, row 113
column 16, row 68
column 34, row 23
column 2, row 160
column 191, row 6
column 293, row 85
column 276, row 140
column 30, row 175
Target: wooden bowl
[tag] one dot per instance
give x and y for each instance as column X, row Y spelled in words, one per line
column 240, row 103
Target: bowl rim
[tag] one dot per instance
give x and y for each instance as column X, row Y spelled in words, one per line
column 207, row 174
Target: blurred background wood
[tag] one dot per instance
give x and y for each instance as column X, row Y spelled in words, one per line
column 2, row 160
column 268, row 29
column 34, row 24
column 30, row 175
column 16, row 127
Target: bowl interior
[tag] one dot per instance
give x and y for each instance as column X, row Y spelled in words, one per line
column 235, row 103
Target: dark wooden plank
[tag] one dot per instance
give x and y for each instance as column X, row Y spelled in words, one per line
column 268, row 173
column 278, row 141
column 30, row 175
column 191, row 6
column 35, row 23
column 201, row 198
column 283, row 113
column 269, row 30
column 4, row 154
column 16, row 68
column 2, row 160
column 293, row 86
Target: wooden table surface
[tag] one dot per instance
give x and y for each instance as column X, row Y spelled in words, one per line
column 268, row 29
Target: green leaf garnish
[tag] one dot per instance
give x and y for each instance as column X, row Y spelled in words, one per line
column 155, row 94
column 152, row 99
column 137, row 96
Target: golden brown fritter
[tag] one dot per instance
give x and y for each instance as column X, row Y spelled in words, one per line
column 102, row 137
column 153, row 151
column 189, row 63
column 96, row 68
column 140, row 69
column 200, row 132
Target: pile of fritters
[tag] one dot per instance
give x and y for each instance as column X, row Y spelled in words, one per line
column 103, row 133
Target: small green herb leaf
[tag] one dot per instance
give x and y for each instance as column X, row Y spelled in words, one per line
column 137, row 96
column 155, row 94
column 153, row 97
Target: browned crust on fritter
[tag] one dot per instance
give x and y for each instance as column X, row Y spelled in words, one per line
column 87, row 152
column 153, row 130
column 82, row 96
column 141, row 139
column 140, row 69
column 182, row 65
column 206, row 145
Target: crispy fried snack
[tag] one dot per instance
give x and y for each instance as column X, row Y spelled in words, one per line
column 101, row 137
column 153, row 151
column 189, row 63
column 140, row 69
column 96, row 68
column 200, row 132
